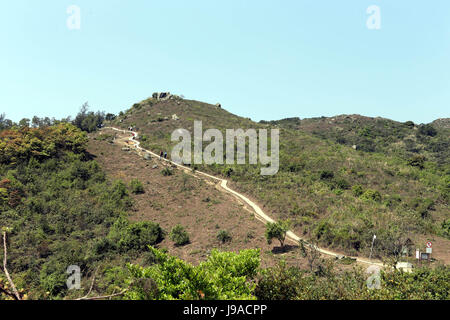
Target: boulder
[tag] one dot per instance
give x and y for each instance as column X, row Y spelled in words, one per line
column 147, row 156
column 126, row 149
column 218, row 105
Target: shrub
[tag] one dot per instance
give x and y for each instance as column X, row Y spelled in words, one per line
column 357, row 190
column 167, row 172
column 135, row 236
column 136, row 186
column 409, row 124
column 179, row 235
column 427, row 130
column 446, row 228
column 372, row 195
column 342, row 184
column 417, row 161
column 326, row 175
column 277, row 230
column 224, row 236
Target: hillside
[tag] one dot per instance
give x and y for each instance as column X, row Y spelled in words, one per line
column 406, row 140
column 68, row 198
column 331, row 192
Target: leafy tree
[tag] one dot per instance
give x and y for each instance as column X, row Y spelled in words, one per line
column 87, row 120
column 179, row 235
column 277, row 230
column 24, row 123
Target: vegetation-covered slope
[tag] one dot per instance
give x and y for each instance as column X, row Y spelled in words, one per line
column 331, row 192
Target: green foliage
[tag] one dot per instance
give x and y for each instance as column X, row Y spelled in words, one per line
column 446, row 228
column 370, row 194
column 326, row 174
column 134, row 236
column 357, row 190
column 136, row 186
column 225, row 275
column 278, row 283
column 223, row 236
column 282, row 282
column 179, row 235
column 167, row 172
column 19, row 145
column 87, row 120
column 427, row 130
column 417, row 161
column 277, row 230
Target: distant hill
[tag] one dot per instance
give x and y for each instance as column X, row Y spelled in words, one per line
column 380, row 135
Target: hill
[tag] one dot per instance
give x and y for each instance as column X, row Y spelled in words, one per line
column 331, row 192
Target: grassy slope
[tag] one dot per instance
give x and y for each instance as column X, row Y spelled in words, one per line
column 412, row 203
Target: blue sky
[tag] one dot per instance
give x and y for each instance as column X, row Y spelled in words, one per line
column 259, row 59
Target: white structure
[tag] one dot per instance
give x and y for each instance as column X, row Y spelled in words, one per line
column 404, row 266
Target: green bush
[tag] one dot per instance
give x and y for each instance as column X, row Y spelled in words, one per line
column 136, row 186
column 223, row 236
column 167, row 172
column 135, row 236
column 224, row 276
column 179, row 235
column 370, row 194
column 427, row 130
column 326, row 175
column 357, row 190
column 417, row 161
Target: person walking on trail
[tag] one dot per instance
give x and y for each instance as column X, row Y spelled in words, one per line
column 165, row 155
column 160, row 155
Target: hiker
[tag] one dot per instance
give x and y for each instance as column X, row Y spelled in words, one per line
column 160, row 155
column 165, row 155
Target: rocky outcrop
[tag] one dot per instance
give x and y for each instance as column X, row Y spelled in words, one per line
column 162, row 96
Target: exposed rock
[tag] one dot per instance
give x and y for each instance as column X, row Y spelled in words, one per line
column 218, row 105
column 147, row 156
column 155, row 166
column 354, row 146
column 175, row 117
column 126, row 149
column 162, row 96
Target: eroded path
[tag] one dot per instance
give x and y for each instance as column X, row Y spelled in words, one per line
column 132, row 142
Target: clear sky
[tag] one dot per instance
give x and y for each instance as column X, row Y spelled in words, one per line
column 259, row 59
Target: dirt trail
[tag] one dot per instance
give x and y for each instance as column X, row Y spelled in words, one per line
column 260, row 215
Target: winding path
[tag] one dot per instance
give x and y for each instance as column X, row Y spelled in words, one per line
column 258, row 212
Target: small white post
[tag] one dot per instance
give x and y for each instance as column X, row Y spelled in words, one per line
column 371, row 249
